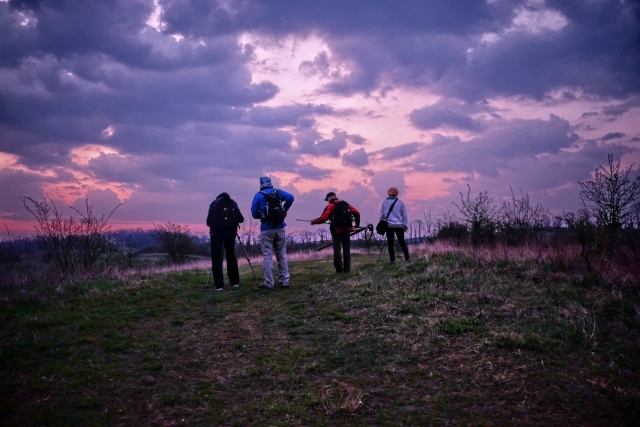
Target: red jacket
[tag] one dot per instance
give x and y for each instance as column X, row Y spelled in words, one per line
column 328, row 212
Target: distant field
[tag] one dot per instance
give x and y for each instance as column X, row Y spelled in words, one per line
column 453, row 338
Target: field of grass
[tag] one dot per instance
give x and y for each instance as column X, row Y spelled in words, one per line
column 453, row 338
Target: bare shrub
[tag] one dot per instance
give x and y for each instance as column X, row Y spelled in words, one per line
column 74, row 242
column 175, row 240
column 520, row 221
column 451, row 229
column 479, row 214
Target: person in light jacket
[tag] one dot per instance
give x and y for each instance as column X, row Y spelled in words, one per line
column 398, row 223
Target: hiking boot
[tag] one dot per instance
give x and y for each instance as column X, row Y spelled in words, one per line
column 263, row 286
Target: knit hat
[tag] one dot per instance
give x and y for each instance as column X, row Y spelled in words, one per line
column 265, row 182
column 329, row 196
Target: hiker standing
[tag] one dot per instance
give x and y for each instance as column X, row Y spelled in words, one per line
column 395, row 212
column 223, row 219
column 267, row 206
column 342, row 215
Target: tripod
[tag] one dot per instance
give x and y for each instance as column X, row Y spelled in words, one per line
column 248, row 260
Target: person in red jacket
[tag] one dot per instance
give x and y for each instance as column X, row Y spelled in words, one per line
column 342, row 216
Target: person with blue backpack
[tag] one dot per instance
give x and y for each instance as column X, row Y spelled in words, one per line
column 270, row 206
column 223, row 220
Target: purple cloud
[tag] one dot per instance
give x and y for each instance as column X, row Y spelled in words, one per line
column 357, row 158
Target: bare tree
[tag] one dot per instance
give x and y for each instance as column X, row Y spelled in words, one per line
column 416, row 229
column 610, row 194
column 323, row 235
column 307, row 237
column 250, row 232
column 429, row 223
column 635, row 215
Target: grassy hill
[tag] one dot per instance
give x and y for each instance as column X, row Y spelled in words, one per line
column 503, row 337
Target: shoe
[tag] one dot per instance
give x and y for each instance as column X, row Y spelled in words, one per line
column 263, row 286
column 236, row 286
column 284, row 285
column 219, row 289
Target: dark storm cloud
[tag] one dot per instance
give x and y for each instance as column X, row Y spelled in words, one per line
column 65, row 28
column 335, row 17
column 492, row 151
column 431, row 42
column 285, row 116
column 618, row 110
column 580, row 55
column 613, row 135
column 17, row 184
column 444, row 114
column 311, row 142
column 400, row 151
column 309, row 171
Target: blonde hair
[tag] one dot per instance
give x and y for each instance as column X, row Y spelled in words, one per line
column 393, row 191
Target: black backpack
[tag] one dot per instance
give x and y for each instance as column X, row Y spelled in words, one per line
column 341, row 215
column 275, row 212
column 224, row 215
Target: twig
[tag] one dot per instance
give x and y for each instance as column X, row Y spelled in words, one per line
column 450, row 305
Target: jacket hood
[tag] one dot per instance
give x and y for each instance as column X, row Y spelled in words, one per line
column 265, row 182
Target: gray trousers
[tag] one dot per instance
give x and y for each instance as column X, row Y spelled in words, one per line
column 274, row 242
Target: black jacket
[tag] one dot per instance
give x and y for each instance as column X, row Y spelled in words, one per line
column 213, row 229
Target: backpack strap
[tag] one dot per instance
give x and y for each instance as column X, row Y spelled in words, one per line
column 390, row 209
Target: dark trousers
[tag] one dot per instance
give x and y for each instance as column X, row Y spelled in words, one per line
column 341, row 242
column 224, row 240
column 399, row 233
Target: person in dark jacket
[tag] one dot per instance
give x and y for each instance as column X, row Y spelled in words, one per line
column 340, row 234
column 223, row 219
column 398, row 222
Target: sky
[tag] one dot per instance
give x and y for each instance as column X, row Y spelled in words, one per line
column 161, row 105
